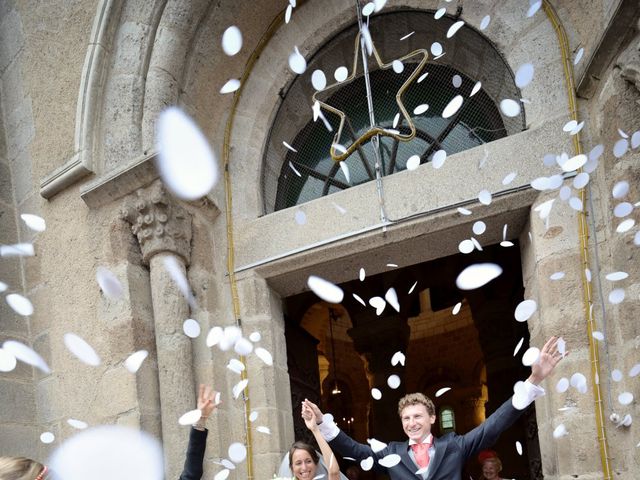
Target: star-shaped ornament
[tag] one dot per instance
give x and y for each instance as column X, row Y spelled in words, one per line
column 342, row 152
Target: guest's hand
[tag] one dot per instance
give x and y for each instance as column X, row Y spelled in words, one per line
column 206, row 398
column 549, row 358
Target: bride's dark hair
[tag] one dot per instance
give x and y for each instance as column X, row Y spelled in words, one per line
column 302, row 446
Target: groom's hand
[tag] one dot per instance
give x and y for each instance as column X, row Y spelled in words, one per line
column 314, row 408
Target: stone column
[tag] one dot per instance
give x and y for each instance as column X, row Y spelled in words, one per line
column 163, row 229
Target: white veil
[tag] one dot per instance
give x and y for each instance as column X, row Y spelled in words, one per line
column 285, row 471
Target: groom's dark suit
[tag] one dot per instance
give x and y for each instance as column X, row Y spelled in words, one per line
column 451, row 450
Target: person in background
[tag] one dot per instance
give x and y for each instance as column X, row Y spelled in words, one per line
column 20, row 468
column 491, row 465
column 198, row 436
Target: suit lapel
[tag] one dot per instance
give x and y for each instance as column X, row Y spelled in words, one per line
column 440, row 447
column 406, row 459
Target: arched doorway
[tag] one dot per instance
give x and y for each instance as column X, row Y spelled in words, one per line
column 469, row 351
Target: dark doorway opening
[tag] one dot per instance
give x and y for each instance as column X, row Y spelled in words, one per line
column 337, row 353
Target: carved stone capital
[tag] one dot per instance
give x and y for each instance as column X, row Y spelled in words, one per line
column 159, row 223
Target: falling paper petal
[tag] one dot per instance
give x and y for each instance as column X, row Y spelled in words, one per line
column 17, row 250
column 616, row 375
column 239, row 387
column 109, row 283
column 231, row 41
column 341, row 74
column 420, row 109
column 327, row 291
column 442, row 391
column 176, row 272
column 376, row 394
column 243, row 346
column 616, row 296
column 215, row 335
column 398, row 358
column 562, row 385
column 456, row 308
column 626, row 225
column 222, row 474
column 231, row 86
column 524, row 75
column 620, row 189
column 534, row 6
column 237, row 452
column 479, row 227
column 436, row 49
column 412, row 287
column 21, row 305
column 378, row 303
column 47, row 437
column 616, row 276
column 300, row 217
column 318, row 80
column 525, row 309
column 598, row 336
column 392, row 299
column 635, row 370
column 34, row 222
column 518, row 347
column 297, row 63
column 622, row 209
column 625, row 398
column 393, row 381
column 235, row 366
column 134, row 361
column 560, row 431
column 485, row 197
column 7, row 361
column 185, row 162
column 530, row 356
column 485, row 22
column 397, row 66
column 454, row 28
column 620, row 147
column 81, row 349
column 263, row 429
column 452, row 107
column 509, row 178
column 79, row 424
column 264, row 355
column 253, row 416
column 509, row 107
column 191, row 328
column 359, row 299
column 190, row 417
column 26, row 354
column 366, row 464
column 376, row 445
column 475, row 276
column 413, row 162
column 390, row 460
column 438, row 159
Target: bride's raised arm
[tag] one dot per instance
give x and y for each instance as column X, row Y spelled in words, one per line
column 333, row 469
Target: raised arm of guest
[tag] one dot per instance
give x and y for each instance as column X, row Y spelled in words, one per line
column 198, row 436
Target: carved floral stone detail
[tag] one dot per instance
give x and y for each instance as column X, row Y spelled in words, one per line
column 159, row 223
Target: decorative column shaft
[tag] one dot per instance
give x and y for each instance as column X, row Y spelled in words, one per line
column 163, row 229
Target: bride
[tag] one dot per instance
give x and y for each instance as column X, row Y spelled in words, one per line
column 304, row 463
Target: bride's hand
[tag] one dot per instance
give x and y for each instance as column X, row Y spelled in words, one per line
column 308, row 417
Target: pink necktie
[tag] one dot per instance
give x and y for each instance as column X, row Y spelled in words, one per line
column 421, row 452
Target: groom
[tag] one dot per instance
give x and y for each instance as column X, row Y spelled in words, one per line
column 423, row 456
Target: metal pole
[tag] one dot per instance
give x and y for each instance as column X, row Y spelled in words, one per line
column 376, row 139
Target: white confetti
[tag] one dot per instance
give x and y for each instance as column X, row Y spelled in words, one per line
column 390, row 460
column 231, row 86
column 81, row 349
column 134, row 361
column 264, row 355
column 475, row 276
column 21, row 305
column 239, row 387
column 442, row 391
column 26, row 354
column 232, row 40
column 34, row 222
column 327, row 291
column 185, row 162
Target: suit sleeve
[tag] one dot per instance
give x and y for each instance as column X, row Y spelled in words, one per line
column 195, row 455
column 348, row 447
column 486, row 434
